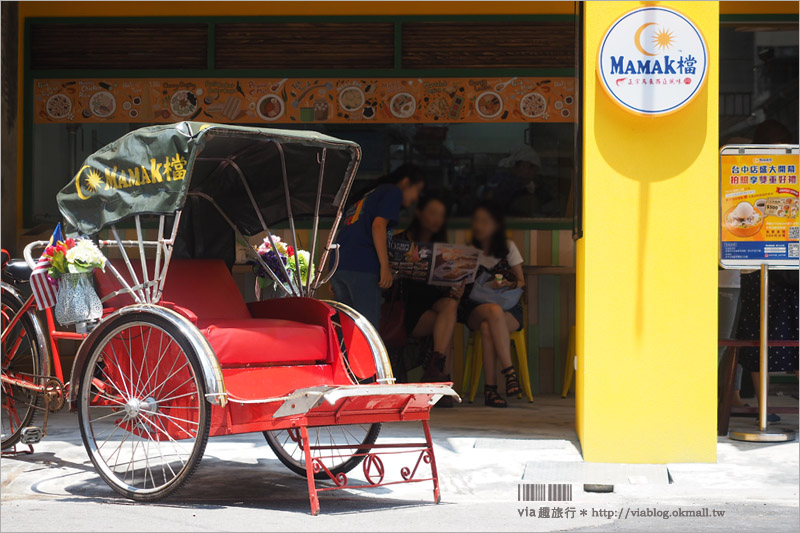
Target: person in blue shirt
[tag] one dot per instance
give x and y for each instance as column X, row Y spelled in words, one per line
column 363, row 241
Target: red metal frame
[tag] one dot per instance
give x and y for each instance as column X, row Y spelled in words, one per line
column 54, row 336
column 372, row 466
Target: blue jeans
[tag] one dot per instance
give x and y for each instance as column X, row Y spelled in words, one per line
column 360, row 291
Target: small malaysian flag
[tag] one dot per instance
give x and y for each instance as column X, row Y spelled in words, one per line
column 44, row 291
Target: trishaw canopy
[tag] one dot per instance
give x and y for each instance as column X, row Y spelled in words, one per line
column 151, row 171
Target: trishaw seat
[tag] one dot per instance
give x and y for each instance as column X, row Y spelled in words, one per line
column 206, row 288
column 265, row 341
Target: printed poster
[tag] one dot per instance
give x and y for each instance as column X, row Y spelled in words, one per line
column 759, row 206
column 434, row 263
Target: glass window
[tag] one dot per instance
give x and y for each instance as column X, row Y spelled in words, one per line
column 459, row 161
column 758, row 79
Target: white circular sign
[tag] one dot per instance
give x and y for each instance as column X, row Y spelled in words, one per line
column 653, row 61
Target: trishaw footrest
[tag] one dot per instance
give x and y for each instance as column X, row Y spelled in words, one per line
column 420, row 467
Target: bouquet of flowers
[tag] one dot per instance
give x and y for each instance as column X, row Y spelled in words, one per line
column 71, row 263
column 284, row 254
column 73, row 257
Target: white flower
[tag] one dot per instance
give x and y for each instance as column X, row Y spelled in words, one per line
column 85, row 257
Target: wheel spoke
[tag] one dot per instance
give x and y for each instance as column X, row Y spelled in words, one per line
column 171, row 418
column 158, row 361
column 160, row 388
column 121, row 373
column 116, row 427
column 189, row 379
column 104, row 416
column 171, row 440
column 109, row 398
column 162, row 400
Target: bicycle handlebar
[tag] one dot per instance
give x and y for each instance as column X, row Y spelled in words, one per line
column 26, row 253
column 335, row 249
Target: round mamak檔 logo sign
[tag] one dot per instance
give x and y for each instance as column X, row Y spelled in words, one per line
column 653, row 61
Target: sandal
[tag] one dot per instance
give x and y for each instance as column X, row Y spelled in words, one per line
column 491, row 398
column 512, row 383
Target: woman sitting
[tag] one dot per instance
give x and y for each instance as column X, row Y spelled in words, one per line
column 500, row 264
column 430, row 310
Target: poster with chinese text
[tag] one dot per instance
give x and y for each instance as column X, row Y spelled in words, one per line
column 759, row 206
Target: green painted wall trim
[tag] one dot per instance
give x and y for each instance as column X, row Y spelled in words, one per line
column 558, row 361
column 554, row 241
column 303, row 19
column 298, row 73
column 534, row 357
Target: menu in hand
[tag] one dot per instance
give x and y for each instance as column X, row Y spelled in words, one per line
column 434, row 263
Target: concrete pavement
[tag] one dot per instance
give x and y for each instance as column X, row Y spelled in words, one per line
column 482, row 454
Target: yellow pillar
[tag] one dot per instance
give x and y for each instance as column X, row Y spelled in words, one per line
column 647, row 265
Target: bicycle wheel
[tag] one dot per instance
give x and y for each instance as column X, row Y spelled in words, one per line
column 142, row 410
column 22, row 355
column 287, row 446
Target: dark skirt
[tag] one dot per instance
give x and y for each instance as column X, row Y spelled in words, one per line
column 467, row 306
column 418, row 297
column 783, row 317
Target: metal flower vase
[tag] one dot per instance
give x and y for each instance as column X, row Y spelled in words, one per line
column 76, row 300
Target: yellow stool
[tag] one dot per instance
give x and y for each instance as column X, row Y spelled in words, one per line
column 569, row 363
column 474, row 364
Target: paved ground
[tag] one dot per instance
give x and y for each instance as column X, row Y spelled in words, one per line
column 482, row 455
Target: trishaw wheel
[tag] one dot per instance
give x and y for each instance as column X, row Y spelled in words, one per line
column 287, row 445
column 142, row 410
column 21, row 357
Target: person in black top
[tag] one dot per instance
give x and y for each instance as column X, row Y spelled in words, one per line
column 430, row 310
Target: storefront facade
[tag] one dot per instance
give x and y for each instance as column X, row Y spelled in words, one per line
column 646, row 342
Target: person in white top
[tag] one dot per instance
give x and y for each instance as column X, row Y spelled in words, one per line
column 502, row 260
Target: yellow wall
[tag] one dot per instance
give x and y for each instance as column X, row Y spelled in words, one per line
column 647, row 267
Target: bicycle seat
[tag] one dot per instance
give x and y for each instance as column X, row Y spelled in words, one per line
column 18, row 271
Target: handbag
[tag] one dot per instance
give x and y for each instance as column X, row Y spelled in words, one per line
column 392, row 327
column 483, row 293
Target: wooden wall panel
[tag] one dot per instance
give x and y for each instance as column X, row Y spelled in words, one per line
column 118, row 46
column 305, row 45
column 488, row 45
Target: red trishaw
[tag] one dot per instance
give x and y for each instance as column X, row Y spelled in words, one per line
column 178, row 356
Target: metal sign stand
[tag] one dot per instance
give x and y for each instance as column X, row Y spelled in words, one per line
column 764, row 434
